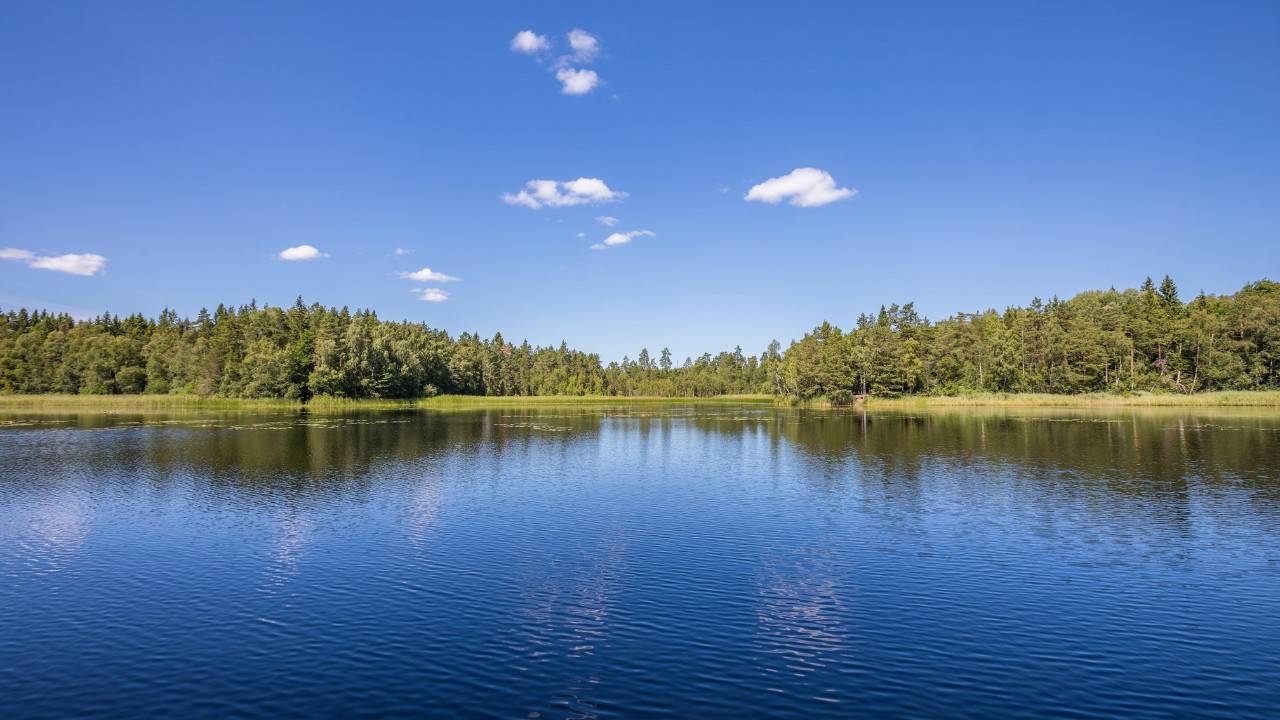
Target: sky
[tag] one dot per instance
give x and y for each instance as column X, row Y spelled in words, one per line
column 690, row 175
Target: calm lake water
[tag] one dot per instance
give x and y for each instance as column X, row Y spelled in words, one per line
column 690, row 562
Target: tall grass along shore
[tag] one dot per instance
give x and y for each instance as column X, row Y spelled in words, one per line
column 167, row 403
column 174, row 403
column 1227, row 398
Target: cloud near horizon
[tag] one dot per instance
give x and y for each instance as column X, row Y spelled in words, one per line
column 428, row 275
column 83, row 264
column 621, row 238
column 802, row 187
column 431, row 294
column 537, row 194
column 301, row 252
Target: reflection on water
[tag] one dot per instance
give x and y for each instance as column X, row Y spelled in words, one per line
column 622, row 561
column 801, row 613
column 50, row 537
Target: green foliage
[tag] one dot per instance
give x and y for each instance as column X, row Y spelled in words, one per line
column 312, row 351
column 1111, row 341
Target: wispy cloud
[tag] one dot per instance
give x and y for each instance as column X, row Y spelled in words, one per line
column 537, row 194
column 621, row 238
column 428, row 275
column 802, row 187
column 528, row 42
column 399, row 252
column 83, row 264
column 16, row 254
column 607, row 220
column 430, row 294
column 301, row 252
column 585, row 46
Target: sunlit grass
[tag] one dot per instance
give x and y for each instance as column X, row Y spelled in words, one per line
column 1252, row 398
column 174, row 403
column 178, row 403
column 136, row 403
column 474, row 401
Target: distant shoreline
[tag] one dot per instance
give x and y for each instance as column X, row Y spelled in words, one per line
column 154, row 403
column 160, row 403
column 1225, row 398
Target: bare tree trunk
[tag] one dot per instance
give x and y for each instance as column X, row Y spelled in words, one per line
column 1133, row 374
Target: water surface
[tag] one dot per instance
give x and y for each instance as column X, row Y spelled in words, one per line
column 701, row 561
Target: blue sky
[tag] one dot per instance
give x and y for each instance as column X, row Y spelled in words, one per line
column 999, row 151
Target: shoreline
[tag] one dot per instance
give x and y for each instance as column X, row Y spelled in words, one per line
column 162, row 403
column 54, row 403
column 1225, row 398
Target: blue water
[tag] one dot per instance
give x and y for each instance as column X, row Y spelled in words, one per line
column 684, row 562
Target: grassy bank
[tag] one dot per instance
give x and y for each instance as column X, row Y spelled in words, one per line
column 448, row 402
column 1258, row 398
column 135, row 403
column 176, row 403
column 179, row 403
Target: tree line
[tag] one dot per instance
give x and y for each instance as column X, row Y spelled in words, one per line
column 1098, row 341
column 309, row 350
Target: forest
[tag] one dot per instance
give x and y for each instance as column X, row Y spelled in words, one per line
column 1143, row 339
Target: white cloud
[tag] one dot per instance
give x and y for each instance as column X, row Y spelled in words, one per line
column 301, row 252
column 16, row 254
column 582, row 234
column 621, row 238
column 607, row 220
column 428, row 275
column 550, row 193
column 577, row 82
column 76, row 264
column 72, row 263
column 569, row 69
column 528, row 42
column 805, row 187
column 430, row 294
column 585, row 46
column 403, row 251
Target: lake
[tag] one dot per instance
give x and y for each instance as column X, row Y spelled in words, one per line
column 668, row 561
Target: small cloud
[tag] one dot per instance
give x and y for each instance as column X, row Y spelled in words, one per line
column 805, row 187
column 301, row 252
column 428, row 275
column 585, row 46
column 528, row 42
column 569, row 69
column 400, row 252
column 621, row 238
column 16, row 254
column 582, row 234
column 84, row 264
column 607, row 220
column 75, row 264
column 430, row 294
column 550, row 193
column 577, row 82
